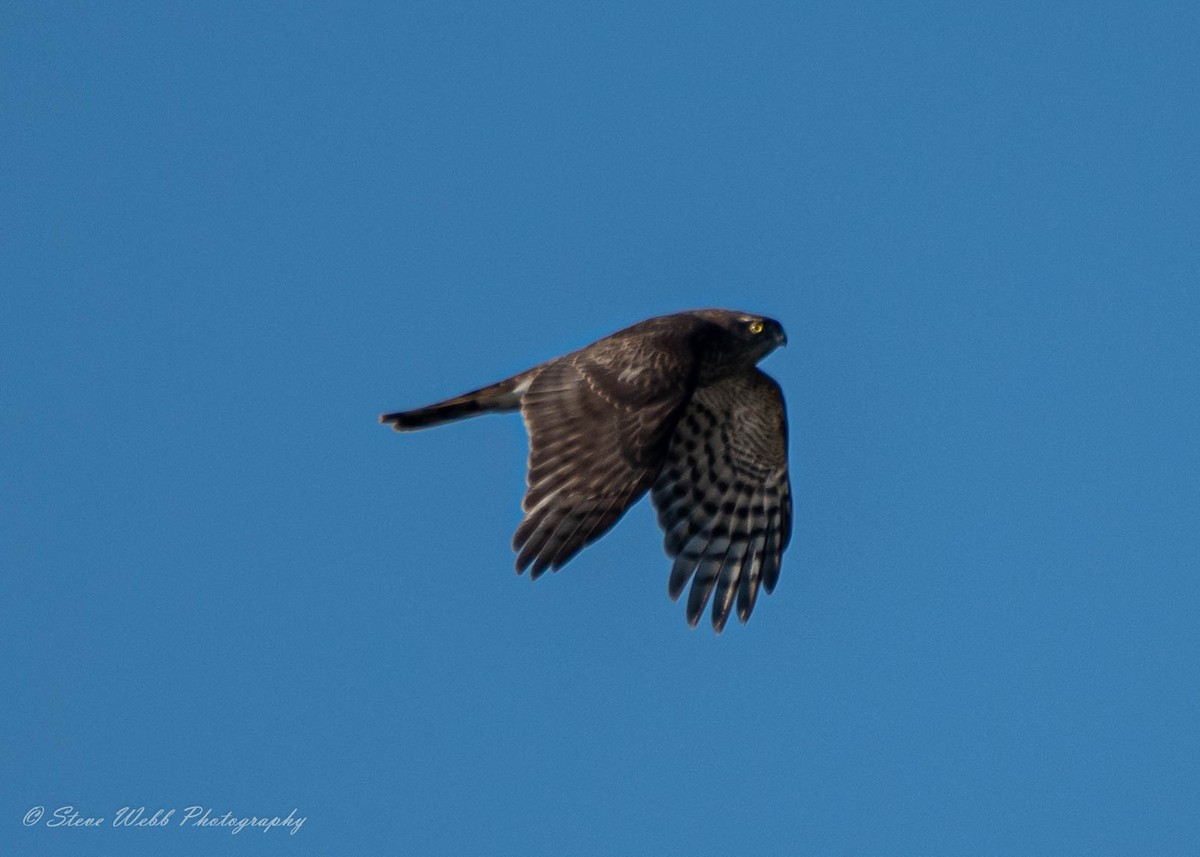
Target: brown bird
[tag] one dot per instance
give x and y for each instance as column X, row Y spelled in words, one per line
column 674, row 405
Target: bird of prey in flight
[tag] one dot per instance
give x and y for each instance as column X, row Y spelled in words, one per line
column 674, row 405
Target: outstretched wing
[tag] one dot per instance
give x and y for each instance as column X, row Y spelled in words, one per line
column 723, row 496
column 600, row 422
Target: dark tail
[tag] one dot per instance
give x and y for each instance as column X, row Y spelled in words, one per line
column 503, row 396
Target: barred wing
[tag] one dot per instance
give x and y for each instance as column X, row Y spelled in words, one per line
column 723, row 496
column 600, row 422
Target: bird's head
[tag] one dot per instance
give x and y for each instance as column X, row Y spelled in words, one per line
column 760, row 334
column 742, row 338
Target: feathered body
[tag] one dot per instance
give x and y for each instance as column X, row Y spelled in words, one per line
column 674, row 405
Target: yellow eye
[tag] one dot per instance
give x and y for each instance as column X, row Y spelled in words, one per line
column 756, row 327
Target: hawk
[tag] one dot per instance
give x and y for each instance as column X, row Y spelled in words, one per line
column 673, row 405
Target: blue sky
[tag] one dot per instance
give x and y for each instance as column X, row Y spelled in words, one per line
column 234, row 234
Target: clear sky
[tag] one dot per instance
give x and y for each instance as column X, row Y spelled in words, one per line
column 233, row 234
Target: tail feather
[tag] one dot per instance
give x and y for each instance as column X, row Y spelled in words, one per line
column 502, row 396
